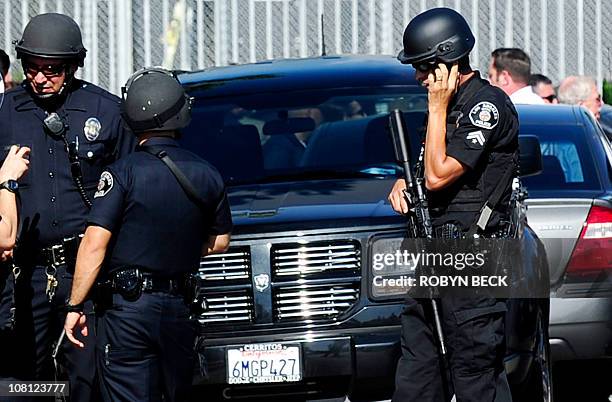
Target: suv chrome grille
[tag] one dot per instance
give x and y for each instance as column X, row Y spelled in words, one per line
column 315, row 281
column 315, row 259
column 233, row 265
column 233, row 306
column 314, row 301
column 226, row 287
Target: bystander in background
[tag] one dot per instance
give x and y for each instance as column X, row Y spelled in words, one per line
column 542, row 86
column 510, row 70
column 581, row 90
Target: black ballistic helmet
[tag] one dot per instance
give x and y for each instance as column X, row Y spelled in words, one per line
column 154, row 100
column 52, row 36
column 439, row 34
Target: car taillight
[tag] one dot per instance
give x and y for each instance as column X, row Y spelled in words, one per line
column 593, row 251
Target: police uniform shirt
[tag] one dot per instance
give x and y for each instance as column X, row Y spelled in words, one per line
column 482, row 134
column 51, row 206
column 154, row 224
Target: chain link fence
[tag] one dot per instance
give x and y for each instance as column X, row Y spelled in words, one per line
column 562, row 37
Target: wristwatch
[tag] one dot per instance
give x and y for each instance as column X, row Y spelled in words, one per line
column 10, row 185
column 73, row 308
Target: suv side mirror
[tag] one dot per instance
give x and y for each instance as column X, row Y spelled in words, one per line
column 530, row 159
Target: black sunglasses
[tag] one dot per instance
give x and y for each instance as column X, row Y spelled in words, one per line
column 425, row 66
column 49, row 70
column 549, row 98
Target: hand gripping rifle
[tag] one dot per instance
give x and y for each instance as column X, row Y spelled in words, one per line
column 419, row 223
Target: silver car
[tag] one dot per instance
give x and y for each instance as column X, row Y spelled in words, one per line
column 570, row 209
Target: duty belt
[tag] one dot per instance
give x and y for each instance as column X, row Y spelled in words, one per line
column 62, row 253
column 131, row 281
column 59, row 254
column 155, row 284
column 147, row 282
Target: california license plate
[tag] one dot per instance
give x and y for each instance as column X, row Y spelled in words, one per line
column 263, row 363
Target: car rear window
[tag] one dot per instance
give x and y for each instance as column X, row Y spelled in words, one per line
column 567, row 161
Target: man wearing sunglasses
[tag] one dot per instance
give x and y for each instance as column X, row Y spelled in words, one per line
column 74, row 130
column 543, row 87
column 470, row 153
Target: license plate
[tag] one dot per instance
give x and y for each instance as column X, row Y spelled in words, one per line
column 263, row 363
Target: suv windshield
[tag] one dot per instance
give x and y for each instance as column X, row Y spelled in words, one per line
column 309, row 134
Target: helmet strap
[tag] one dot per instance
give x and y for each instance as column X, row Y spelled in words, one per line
column 69, row 77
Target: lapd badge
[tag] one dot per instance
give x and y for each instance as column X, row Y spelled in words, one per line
column 484, row 115
column 104, row 185
column 92, row 128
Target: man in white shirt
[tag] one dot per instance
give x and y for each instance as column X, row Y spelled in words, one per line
column 509, row 70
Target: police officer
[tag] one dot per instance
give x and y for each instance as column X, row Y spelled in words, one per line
column 74, row 130
column 470, row 159
column 155, row 214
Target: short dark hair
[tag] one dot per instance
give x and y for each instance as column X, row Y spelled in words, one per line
column 537, row 79
column 5, row 62
column 513, row 60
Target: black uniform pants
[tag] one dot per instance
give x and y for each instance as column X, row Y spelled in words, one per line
column 146, row 349
column 27, row 350
column 474, row 334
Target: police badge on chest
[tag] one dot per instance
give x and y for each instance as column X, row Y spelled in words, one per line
column 92, row 128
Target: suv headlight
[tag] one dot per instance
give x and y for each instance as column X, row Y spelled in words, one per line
column 391, row 268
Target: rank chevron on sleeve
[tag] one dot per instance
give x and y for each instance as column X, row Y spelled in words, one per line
column 476, row 137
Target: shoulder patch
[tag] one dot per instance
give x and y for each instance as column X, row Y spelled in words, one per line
column 104, row 185
column 484, row 115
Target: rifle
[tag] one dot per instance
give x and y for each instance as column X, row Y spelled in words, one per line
column 419, row 222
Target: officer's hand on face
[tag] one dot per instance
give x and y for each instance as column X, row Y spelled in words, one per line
column 442, row 85
column 15, row 164
column 74, row 321
column 397, row 198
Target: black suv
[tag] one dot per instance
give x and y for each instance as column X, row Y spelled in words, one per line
column 292, row 310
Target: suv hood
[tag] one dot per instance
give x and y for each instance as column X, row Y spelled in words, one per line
column 311, row 204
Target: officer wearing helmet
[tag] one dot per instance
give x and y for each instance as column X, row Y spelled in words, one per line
column 74, row 130
column 156, row 212
column 470, row 159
